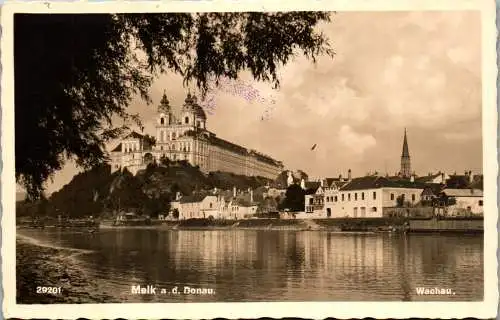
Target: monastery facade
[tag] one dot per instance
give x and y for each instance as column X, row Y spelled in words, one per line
column 185, row 137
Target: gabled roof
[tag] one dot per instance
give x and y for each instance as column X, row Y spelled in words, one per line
column 118, row 148
column 434, row 188
column 375, row 182
column 134, row 135
column 463, row 192
column 428, row 178
column 329, row 181
column 194, row 198
column 312, row 185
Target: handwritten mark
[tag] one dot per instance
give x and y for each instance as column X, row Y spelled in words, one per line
column 241, row 89
column 47, row 4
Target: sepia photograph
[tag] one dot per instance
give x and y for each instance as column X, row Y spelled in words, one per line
column 188, row 156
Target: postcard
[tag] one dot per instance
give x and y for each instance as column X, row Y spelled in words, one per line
column 249, row 159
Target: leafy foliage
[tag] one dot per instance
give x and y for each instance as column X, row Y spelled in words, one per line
column 74, row 73
column 175, row 213
column 400, row 200
column 84, row 195
column 294, row 199
column 149, row 141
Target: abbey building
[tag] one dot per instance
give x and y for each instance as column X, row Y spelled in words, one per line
column 184, row 136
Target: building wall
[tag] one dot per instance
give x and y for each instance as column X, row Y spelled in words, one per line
column 133, row 161
column 464, row 205
column 362, row 203
column 390, row 196
column 209, row 206
column 354, row 204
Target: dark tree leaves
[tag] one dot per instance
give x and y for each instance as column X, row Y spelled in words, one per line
column 74, row 73
column 294, row 199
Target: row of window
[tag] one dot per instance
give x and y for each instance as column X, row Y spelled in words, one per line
column 130, row 147
column 362, row 196
column 186, row 121
column 413, row 197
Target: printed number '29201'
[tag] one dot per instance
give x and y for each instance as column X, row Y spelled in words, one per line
column 49, row 290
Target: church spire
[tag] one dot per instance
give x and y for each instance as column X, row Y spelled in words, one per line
column 405, row 153
column 405, row 159
column 164, row 103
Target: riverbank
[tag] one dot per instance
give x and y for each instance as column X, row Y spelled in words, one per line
column 385, row 224
column 338, row 225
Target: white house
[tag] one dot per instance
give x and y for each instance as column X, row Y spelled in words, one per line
column 218, row 204
column 366, row 197
column 197, row 206
column 239, row 205
column 314, row 198
column 468, row 201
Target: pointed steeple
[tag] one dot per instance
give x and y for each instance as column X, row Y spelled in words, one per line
column 405, row 159
column 405, row 153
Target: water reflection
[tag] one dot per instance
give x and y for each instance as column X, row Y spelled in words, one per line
column 279, row 266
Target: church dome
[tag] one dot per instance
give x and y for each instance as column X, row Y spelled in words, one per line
column 191, row 105
column 164, row 106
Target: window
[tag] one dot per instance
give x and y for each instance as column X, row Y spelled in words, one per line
column 355, row 212
column 374, row 209
column 210, row 205
column 336, row 199
column 348, row 197
column 327, row 199
column 162, row 120
column 392, row 196
column 362, row 196
column 374, row 195
column 198, row 123
column 186, row 120
column 480, row 203
column 356, row 196
column 412, row 197
column 342, row 197
column 310, row 200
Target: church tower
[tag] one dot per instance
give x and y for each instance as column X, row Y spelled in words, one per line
column 164, row 120
column 405, row 159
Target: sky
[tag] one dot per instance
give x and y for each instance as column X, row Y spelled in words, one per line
column 392, row 70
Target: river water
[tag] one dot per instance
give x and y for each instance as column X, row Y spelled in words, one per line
column 243, row 265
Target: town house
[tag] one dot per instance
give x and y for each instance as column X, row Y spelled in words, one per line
column 366, row 197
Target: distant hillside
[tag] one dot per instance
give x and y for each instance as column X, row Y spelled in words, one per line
column 98, row 191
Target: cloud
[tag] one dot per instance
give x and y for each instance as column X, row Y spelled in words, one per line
column 420, row 70
column 357, row 143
